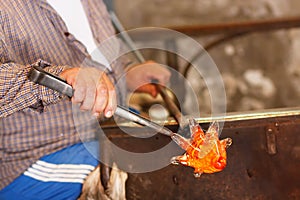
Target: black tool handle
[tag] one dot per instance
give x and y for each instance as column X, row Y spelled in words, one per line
column 38, row 75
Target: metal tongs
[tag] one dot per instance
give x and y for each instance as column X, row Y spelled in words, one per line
column 38, row 75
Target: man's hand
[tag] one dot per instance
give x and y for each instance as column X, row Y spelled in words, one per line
column 92, row 90
column 139, row 77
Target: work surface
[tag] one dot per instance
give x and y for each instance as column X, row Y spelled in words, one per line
column 263, row 163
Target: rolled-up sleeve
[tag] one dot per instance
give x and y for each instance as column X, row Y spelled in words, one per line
column 16, row 91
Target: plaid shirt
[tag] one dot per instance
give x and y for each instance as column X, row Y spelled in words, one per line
column 35, row 120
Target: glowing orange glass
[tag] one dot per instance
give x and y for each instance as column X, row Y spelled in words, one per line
column 204, row 151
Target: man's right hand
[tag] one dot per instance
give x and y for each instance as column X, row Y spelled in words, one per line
column 93, row 90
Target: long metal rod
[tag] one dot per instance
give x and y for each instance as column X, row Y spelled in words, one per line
column 124, row 113
column 38, row 75
column 172, row 107
column 251, row 115
column 222, row 28
column 230, row 117
column 237, row 27
column 119, row 27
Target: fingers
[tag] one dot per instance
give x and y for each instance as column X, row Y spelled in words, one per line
column 157, row 71
column 101, row 98
column 112, row 98
column 148, row 88
column 93, row 90
column 105, row 100
column 88, row 100
column 139, row 77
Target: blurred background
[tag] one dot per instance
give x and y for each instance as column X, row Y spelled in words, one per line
column 260, row 70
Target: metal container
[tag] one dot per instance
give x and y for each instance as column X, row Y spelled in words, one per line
column 263, row 161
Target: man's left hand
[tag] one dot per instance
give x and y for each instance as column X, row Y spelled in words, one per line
column 140, row 77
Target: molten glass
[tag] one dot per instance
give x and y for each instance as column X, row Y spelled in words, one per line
column 204, row 151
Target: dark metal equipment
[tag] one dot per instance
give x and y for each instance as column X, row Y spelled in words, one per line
column 263, row 161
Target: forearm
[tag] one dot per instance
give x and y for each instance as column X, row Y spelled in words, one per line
column 18, row 93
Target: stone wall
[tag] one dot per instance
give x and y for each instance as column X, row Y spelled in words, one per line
column 260, row 70
column 139, row 13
